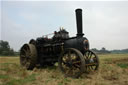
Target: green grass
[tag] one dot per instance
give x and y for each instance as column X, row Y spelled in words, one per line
column 3, row 76
column 21, row 81
column 8, row 56
column 123, row 65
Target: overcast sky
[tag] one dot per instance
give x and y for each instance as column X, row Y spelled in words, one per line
column 105, row 24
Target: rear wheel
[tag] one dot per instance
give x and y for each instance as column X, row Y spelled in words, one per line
column 28, row 56
column 72, row 63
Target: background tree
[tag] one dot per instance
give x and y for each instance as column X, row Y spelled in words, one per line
column 5, row 48
column 95, row 50
column 103, row 50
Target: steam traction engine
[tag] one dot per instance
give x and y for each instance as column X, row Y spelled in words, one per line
column 71, row 53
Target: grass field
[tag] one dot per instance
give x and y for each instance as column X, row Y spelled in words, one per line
column 113, row 70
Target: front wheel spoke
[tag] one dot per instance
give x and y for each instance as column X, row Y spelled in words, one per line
column 94, row 64
column 86, row 55
column 91, row 64
column 89, row 68
column 90, row 56
column 92, row 67
column 95, row 59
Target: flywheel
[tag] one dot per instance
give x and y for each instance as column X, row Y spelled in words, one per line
column 28, row 56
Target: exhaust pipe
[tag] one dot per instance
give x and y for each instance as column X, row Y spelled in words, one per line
column 79, row 22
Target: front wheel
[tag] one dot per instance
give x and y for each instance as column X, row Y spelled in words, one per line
column 91, row 61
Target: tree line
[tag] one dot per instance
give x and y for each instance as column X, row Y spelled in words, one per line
column 103, row 50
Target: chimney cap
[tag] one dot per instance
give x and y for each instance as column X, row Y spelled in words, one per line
column 78, row 9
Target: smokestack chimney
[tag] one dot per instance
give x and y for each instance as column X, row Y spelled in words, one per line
column 79, row 22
